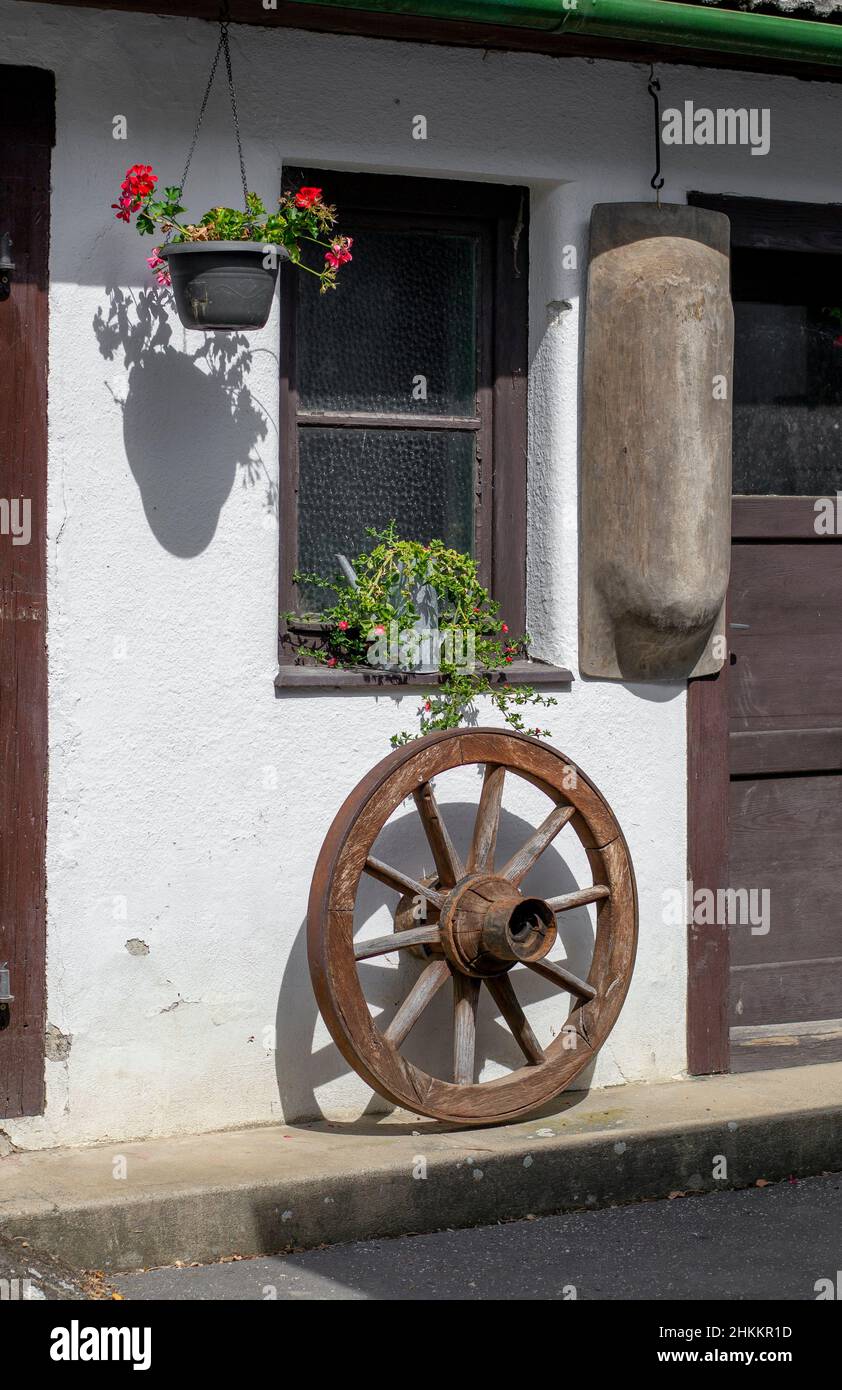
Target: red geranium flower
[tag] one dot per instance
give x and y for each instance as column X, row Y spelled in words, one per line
column 138, row 184
column 306, row 197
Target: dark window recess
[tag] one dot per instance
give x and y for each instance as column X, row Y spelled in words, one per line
column 404, row 390
column 787, row 372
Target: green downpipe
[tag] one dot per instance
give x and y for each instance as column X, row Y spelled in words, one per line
column 637, row 21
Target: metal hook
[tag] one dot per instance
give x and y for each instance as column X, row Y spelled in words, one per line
column 657, row 179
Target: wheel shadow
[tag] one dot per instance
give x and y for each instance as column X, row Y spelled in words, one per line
column 304, row 1063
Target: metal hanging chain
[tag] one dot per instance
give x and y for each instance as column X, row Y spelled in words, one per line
column 657, row 179
column 221, row 47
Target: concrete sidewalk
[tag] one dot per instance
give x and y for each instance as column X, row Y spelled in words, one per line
column 261, row 1191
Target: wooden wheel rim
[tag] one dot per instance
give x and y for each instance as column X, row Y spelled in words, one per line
column 330, row 927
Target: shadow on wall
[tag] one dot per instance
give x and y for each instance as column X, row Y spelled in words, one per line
column 301, row 1071
column 190, row 422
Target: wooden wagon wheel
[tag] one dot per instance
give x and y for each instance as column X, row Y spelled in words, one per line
column 478, row 926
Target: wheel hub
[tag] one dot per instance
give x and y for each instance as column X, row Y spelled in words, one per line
column 487, row 926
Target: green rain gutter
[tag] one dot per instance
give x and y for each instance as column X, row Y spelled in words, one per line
column 662, row 22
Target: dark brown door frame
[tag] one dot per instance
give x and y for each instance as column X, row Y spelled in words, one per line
column 708, row 947
column 762, row 224
column 27, row 113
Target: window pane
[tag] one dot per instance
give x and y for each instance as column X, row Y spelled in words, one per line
column 787, row 373
column 353, row 478
column 404, row 308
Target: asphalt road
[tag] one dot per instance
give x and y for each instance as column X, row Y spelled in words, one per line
column 774, row 1242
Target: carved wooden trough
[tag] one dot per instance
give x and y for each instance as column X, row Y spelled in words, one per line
column 476, row 927
column 655, row 535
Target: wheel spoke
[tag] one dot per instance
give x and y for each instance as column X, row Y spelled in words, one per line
column 557, row 975
column 448, row 864
column 397, row 941
column 580, row 898
column 465, row 997
column 520, row 863
column 481, row 854
column 402, row 883
column 427, row 985
column 506, row 1001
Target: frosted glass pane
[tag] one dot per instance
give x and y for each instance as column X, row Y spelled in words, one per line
column 404, row 309
column 353, row 478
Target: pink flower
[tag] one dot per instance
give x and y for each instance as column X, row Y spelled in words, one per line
column 331, row 661
column 342, row 625
column 379, row 631
column 504, row 627
column 159, row 268
column 340, row 252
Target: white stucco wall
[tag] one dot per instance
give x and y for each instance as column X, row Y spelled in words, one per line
column 187, row 802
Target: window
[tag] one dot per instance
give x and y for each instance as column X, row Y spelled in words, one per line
column 785, row 260
column 403, row 392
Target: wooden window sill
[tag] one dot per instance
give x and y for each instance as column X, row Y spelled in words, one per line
column 317, row 677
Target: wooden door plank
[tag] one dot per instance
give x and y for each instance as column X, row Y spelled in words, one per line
column 776, row 518
column 764, row 751
column 790, row 675
column 786, row 842
column 779, row 589
column 791, row 991
column 771, row 1046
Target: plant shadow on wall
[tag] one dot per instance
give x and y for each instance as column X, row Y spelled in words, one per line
column 190, row 422
column 301, row 1073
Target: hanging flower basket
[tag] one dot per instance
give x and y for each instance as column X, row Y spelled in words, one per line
column 223, row 284
column 223, row 268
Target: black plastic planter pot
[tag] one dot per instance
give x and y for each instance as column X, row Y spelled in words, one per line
column 224, row 285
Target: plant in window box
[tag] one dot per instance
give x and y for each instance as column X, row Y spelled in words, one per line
column 223, row 268
column 403, row 606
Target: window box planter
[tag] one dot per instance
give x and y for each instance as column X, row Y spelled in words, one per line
column 226, row 285
column 306, row 674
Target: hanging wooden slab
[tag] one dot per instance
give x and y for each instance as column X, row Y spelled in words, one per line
column 655, row 534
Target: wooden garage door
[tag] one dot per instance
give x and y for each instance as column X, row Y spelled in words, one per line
column 785, row 678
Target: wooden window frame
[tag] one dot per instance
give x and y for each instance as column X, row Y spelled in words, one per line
column 499, row 214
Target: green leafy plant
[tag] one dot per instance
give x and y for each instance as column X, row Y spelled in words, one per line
column 303, row 218
column 376, row 610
